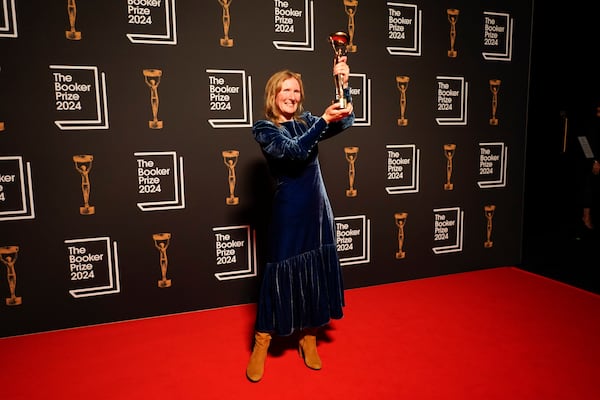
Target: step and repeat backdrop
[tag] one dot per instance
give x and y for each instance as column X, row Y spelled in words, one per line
column 131, row 185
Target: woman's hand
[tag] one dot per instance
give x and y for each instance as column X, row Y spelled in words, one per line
column 342, row 69
column 335, row 113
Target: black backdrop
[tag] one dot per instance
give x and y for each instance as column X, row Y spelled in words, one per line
column 68, row 267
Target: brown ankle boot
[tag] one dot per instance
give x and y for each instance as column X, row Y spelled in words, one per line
column 308, row 349
column 256, row 365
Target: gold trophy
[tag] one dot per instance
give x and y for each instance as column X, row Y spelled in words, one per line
column 152, row 78
column 494, row 87
column 226, row 41
column 161, row 242
column 351, row 154
column 402, row 83
column 83, row 164
column 452, row 17
column 230, row 158
column 449, row 153
column 489, row 214
column 72, row 34
column 350, row 8
column 400, row 219
column 8, row 256
column 339, row 42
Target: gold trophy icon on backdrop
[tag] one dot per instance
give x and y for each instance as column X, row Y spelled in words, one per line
column 161, row 242
column 152, row 78
column 489, row 215
column 72, row 34
column 494, row 88
column 230, row 158
column 402, row 83
column 449, row 150
column 339, row 43
column 351, row 154
column 83, row 164
column 1, row 126
column 400, row 219
column 8, row 256
column 452, row 18
column 350, row 8
column 226, row 41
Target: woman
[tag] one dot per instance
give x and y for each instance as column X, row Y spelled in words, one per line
column 302, row 286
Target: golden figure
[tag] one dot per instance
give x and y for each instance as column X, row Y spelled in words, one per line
column 230, row 158
column 494, row 88
column 152, row 78
column 351, row 154
column 449, row 153
column 489, row 214
column 402, row 83
column 226, row 41
column 350, row 7
column 83, row 164
column 400, row 219
column 8, row 256
column 452, row 17
column 161, row 242
column 72, row 34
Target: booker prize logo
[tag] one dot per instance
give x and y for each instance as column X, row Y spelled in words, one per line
column 493, row 162
column 8, row 25
column 161, row 242
column 154, row 21
column 72, row 33
column 448, row 230
column 8, row 256
column 235, row 252
column 294, row 25
column 230, row 98
column 83, row 165
column 93, row 267
column 452, row 94
column 16, row 191
column 160, row 181
column 404, row 23
column 402, row 168
column 497, row 36
column 353, row 239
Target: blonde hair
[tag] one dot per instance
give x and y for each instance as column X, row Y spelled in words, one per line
column 273, row 87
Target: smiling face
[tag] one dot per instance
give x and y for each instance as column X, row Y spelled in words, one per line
column 288, row 98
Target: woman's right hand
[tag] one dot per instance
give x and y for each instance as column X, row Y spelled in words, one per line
column 335, row 113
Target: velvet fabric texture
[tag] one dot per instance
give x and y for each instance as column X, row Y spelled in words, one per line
column 302, row 284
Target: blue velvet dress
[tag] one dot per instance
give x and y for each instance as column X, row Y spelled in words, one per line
column 302, row 284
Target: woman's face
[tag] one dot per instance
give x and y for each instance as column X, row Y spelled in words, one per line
column 288, row 98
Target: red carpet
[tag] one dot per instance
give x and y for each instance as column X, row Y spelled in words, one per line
column 498, row 333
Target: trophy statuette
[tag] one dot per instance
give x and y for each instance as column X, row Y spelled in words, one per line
column 339, row 43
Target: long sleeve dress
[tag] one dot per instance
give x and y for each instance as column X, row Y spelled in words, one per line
column 302, row 284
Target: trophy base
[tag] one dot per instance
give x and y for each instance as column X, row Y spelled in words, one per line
column 226, row 42
column 351, row 48
column 155, row 124
column 73, row 35
column 351, row 193
column 448, row 186
column 14, row 301
column 232, row 201
column 1, row 126
column 493, row 121
column 452, row 53
column 488, row 244
column 402, row 122
column 89, row 210
column 400, row 255
column 163, row 283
